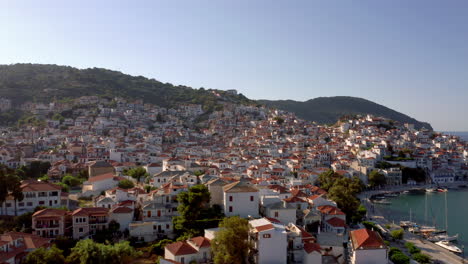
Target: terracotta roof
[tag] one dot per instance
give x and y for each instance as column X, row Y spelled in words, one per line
column 34, row 186
column 90, row 211
column 310, row 247
column 200, row 241
column 264, row 227
column 294, row 199
column 237, row 187
column 48, row 212
column 336, row 222
column 366, row 239
column 122, row 210
column 181, row 248
column 101, row 177
column 330, row 210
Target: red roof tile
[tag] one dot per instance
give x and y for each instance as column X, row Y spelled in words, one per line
column 181, row 248
column 366, row 239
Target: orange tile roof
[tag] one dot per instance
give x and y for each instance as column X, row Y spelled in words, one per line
column 310, row 247
column 366, row 239
column 200, row 241
column 181, row 248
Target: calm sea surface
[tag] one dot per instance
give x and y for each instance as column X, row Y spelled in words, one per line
column 463, row 135
column 429, row 209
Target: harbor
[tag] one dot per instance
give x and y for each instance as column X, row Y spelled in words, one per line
column 432, row 217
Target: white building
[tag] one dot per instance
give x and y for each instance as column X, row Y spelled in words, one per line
column 270, row 240
column 241, row 199
column 35, row 193
column 97, row 184
column 367, row 247
column 196, row 249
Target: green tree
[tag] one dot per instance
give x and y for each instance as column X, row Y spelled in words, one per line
column 422, row 258
column 14, row 186
column 3, row 186
column 193, row 205
column 65, row 187
column 90, row 252
column 231, row 244
column 397, row 234
column 126, row 184
column 137, row 173
column 158, row 247
column 70, row 180
column 279, row 120
column 45, row 256
column 376, row 178
column 400, row 258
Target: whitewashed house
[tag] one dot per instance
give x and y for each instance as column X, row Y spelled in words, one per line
column 241, row 199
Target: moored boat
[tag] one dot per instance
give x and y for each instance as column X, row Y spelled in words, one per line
column 447, row 245
column 438, row 238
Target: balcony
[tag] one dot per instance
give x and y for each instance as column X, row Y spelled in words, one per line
column 47, row 225
column 93, row 222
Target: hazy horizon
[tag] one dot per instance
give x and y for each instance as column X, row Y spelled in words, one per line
column 409, row 56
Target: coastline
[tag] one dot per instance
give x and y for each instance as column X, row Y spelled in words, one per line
column 377, row 215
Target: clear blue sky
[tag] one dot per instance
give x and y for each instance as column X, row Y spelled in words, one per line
column 411, row 56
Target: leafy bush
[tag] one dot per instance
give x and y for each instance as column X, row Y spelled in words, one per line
column 400, row 258
column 422, row 258
column 397, row 234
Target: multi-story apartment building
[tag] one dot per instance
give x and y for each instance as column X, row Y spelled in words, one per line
column 87, row 221
column 51, row 223
column 36, row 193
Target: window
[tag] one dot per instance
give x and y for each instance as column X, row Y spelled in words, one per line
column 41, row 202
column 182, row 260
column 80, row 230
column 251, row 198
column 29, row 204
column 167, row 226
column 276, row 214
column 20, row 204
column 230, row 209
column 8, row 205
column 230, row 198
column 266, row 235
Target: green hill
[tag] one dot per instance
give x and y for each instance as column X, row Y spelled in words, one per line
column 327, row 110
column 41, row 83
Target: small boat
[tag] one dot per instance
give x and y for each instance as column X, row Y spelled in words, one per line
column 431, row 190
column 447, row 245
column 438, row 238
column 407, row 223
column 442, row 190
column 382, row 201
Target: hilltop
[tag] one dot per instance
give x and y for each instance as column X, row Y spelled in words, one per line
column 326, row 110
column 42, row 83
column 46, row 82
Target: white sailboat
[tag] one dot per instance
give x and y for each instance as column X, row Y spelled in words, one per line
column 447, row 245
column 444, row 237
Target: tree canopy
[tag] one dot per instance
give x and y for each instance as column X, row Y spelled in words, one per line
column 126, row 184
column 343, row 191
column 53, row 255
column 376, row 178
column 231, row 244
column 195, row 214
column 90, row 252
column 137, row 173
